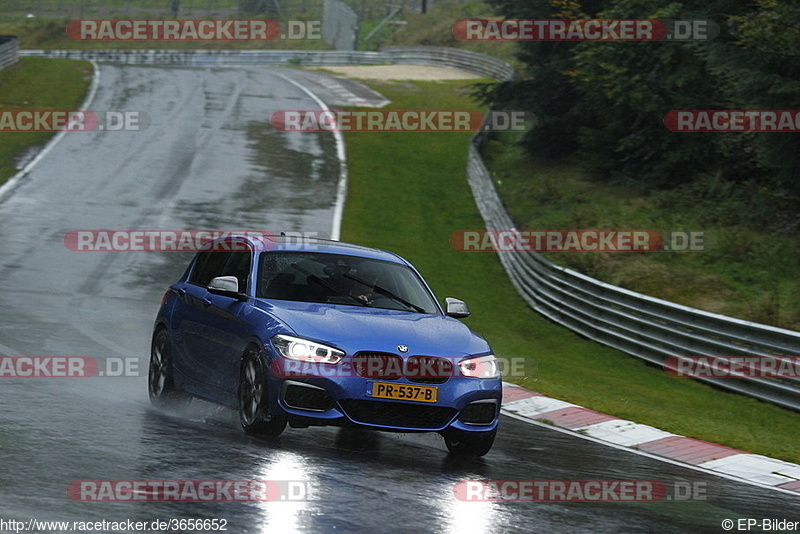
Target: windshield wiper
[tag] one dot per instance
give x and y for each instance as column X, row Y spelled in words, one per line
column 385, row 292
column 327, row 285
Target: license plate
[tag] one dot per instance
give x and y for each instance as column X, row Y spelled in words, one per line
column 383, row 390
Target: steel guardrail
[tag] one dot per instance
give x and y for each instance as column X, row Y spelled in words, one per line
column 648, row 328
column 473, row 62
column 9, row 45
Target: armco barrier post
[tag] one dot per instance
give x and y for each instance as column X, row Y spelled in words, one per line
column 9, row 45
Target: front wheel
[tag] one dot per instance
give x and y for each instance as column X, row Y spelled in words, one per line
column 464, row 443
column 254, row 413
column 160, row 379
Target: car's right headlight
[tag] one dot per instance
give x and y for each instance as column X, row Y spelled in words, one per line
column 303, row 350
column 480, row 367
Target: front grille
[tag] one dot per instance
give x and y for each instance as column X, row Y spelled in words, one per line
column 397, row 414
column 387, row 366
column 428, row 369
column 378, row 365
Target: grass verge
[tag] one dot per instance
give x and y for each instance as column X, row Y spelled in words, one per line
column 38, row 84
column 408, row 193
column 743, row 271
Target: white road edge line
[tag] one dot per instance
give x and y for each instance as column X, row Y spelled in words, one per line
column 341, row 187
column 13, row 182
column 646, row 454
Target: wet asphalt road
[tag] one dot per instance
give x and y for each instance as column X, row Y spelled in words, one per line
column 210, row 161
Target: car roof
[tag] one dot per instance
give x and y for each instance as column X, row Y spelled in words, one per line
column 267, row 243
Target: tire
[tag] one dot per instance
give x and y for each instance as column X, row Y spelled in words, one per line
column 472, row 444
column 160, row 377
column 254, row 413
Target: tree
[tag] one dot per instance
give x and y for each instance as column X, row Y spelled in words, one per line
column 547, row 90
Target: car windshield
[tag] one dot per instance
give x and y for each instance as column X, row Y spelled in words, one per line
column 340, row 279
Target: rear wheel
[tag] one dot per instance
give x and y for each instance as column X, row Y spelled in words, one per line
column 160, row 379
column 253, row 399
column 463, row 443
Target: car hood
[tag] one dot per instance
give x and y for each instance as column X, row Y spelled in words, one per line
column 355, row 328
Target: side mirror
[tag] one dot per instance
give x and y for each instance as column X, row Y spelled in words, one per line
column 227, row 286
column 456, row 308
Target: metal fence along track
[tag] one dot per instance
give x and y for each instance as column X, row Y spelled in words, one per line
column 479, row 64
column 645, row 327
column 8, row 50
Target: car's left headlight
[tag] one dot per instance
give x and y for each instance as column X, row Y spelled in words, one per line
column 480, row 367
column 303, row 350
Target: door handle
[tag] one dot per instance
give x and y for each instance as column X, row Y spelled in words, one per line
column 206, row 301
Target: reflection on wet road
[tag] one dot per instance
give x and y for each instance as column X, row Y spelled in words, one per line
column 209, row 160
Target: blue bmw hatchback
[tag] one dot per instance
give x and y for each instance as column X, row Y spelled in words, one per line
column 323, row 333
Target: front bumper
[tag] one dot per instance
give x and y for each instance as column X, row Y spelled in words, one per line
column 468, row 404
